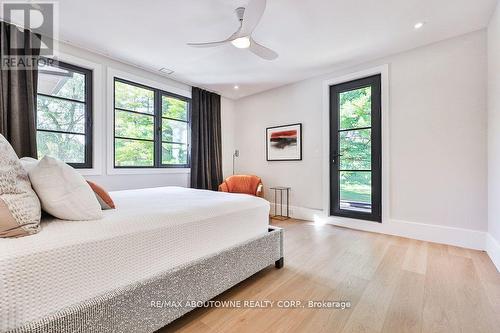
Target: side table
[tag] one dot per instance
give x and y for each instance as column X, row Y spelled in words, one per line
column 282, row 190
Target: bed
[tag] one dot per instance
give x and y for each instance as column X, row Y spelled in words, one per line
column 117, row 274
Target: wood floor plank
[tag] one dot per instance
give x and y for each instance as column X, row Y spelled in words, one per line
column 300, row 288
column 474, row 311
column 258, row 289
column 439, row 309
column 284, row 324
column 459, row 251
column 405, row 311
column 489, row 277
column 394, row 285
column 370, row 312
column 186, row 324
column 326, row 320
column 416, row 257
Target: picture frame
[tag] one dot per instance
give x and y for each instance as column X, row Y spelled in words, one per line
column 284, row 143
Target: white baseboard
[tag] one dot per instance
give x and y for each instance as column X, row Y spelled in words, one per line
column 472, row 239
column 493, row 250
column 300, row 213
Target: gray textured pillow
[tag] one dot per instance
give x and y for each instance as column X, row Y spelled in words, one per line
column 19, row 205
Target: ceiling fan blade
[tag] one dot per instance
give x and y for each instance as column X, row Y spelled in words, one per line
column 209, row 44
column 251, row 17
column 262, row 51
column 222, row 42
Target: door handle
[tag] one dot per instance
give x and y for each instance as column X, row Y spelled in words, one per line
column 334, row 160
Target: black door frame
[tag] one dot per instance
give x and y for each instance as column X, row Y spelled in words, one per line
column 376, row 153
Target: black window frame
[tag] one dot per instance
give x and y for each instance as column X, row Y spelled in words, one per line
column 374, row 81
column 89, row 126
column 158, row 117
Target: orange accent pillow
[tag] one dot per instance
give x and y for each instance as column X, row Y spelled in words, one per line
column 102, row 196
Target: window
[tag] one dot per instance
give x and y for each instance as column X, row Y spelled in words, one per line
column 355, row 149
column 64, row 113
column 151, row 127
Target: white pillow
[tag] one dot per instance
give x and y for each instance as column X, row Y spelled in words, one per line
column 63, row 192
column 28, row 163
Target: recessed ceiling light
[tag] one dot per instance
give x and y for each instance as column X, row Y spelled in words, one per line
column 418, row 25
column 241, row 43
column 236, row 87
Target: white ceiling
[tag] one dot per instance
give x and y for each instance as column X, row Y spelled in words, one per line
column 311, row 36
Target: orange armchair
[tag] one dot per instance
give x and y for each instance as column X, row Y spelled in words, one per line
column 247, row 184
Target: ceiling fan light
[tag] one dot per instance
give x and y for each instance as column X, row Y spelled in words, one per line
column 418, row 25
column 241, row 43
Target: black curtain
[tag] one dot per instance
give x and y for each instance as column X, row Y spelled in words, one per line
column 206, row 146
column 18, row 87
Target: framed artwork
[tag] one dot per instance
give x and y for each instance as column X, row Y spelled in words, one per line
column 284, row 143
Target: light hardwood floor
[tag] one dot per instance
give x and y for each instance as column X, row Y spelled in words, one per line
column 394, row 284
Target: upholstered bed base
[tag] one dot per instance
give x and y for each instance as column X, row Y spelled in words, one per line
column 148, row 305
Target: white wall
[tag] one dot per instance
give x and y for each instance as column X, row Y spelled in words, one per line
column 296, row 103
column 140, row 178
column 494, row 134
column 437, row 134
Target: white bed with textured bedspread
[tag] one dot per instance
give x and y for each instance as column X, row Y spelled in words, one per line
column 151, row 230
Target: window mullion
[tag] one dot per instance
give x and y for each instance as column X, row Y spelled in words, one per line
column 158, row 125
column 89, row 123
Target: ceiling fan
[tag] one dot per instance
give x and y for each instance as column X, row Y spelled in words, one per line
column 249, row 17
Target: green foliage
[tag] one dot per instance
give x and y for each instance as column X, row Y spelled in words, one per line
column 355, row 108
column 355, row 145
column 66, row 116
column 60, row 115
column 355, row 148
column 133, row 125
column 174, row 108
column 134, row 98
column 355, row 186
column 69, row 148
column 136, row 126
column 74, row 88
column 134, row 153
column 174, row 153
column 174, row 131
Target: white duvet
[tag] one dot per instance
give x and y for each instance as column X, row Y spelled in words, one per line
column 151, row 230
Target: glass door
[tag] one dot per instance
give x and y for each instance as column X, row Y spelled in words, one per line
column 355, row 149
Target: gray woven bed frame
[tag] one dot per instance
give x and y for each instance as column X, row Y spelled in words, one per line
column 143, row 306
